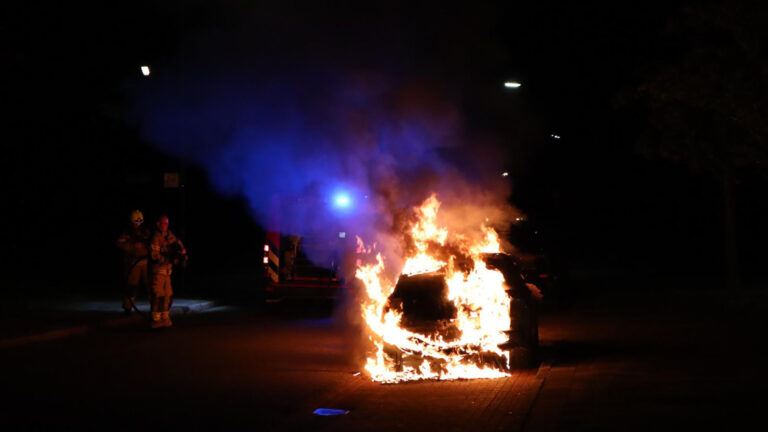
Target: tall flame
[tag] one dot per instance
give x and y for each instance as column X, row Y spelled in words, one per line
column 477, row 292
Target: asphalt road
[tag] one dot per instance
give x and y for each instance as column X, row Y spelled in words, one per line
column 657, row 364
column 210, row 371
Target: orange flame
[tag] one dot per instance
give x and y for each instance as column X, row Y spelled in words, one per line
column 478, row 294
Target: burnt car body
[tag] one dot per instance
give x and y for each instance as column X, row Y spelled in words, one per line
column 538, row 270
column 523, row 340
column 537, row 260
column 422, row 300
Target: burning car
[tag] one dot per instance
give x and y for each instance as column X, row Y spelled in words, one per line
column 422, row 300
column 458, row 309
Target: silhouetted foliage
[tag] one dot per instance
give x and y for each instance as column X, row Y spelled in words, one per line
column 705, row 99
column 703, row 103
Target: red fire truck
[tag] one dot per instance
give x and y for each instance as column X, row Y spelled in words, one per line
column 307, row 266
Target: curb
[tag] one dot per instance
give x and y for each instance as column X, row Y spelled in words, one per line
column 197, row 307
column 45, row 336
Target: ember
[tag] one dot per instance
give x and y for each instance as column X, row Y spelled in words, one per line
column 448, row 312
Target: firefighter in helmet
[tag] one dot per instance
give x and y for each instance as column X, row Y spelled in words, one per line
column 134, row 241
column 166, row 250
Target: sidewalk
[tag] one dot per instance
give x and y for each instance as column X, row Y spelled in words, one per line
column 50, row 319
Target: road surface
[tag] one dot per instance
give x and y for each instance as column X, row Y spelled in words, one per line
column 605, row 368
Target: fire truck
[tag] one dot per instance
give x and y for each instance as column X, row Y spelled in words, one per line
column 310, row 265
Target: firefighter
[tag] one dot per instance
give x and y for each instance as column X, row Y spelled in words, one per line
column 166, row 250
column 134, row 242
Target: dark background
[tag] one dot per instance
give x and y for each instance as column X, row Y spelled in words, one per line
column 659, row 105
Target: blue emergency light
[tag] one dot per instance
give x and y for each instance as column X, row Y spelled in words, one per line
column 342, row 200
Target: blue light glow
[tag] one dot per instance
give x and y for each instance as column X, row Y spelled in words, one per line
column 342, row 200
column 329, row 412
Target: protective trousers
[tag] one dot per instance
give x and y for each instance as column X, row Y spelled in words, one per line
column 161, row 299
column 135, row 276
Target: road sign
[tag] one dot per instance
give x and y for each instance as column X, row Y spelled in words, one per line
column 171, row 180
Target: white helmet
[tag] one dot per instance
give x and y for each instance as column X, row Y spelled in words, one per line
column 137, row 217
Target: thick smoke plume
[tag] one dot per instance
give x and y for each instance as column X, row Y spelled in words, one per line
column 288, row 142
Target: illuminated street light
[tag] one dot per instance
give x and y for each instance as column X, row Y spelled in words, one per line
column 145, row 70
column 505, row 174
column 555, row 136
column 512, row 84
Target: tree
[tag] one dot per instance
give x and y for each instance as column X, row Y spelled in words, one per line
column 703, row 102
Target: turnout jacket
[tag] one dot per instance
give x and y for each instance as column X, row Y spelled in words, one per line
column 163, row 248
column 135, row 243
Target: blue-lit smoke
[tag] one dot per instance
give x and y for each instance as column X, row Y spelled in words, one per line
column 294, row 144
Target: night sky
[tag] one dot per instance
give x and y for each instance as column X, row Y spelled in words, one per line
column 660, row 108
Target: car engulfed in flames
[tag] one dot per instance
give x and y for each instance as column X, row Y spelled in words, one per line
column 447, row 315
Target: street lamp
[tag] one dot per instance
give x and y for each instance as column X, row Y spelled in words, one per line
column 145, row 70
column 512, row 84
